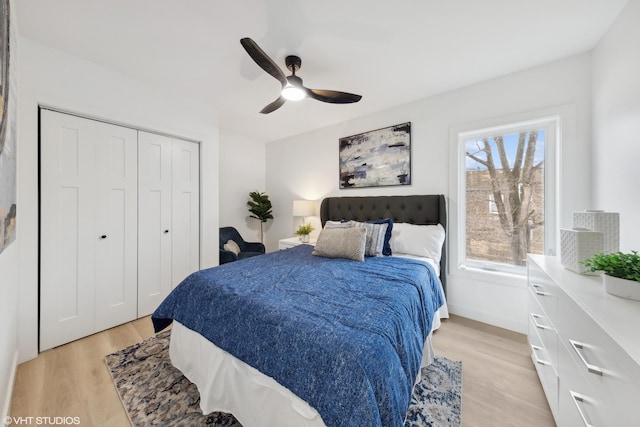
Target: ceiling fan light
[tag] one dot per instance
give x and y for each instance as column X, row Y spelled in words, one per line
column 292, row 93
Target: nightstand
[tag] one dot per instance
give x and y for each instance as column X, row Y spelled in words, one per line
column 293, row 241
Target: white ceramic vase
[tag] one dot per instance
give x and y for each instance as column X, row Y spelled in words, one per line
column 621, row 287
column 304, row 238
column 578, row 244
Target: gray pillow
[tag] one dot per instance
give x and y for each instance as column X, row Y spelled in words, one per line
column 345, row 243
column 375, row 237
column 338, row 224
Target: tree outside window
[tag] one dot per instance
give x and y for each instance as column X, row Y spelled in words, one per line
column 505, row 171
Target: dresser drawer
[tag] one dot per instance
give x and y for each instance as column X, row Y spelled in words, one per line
column 580, row 405
column 607, row 369
column 545, row 333
column 544, row 290
column 545, row 368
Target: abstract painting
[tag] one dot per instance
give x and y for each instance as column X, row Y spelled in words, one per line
column 376, row 158
column 7, row 132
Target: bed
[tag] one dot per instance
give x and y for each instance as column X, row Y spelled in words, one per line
column 294, row 339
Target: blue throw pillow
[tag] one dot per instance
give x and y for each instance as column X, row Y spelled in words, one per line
column 386, row 248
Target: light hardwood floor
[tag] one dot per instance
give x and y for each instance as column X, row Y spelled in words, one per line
column 500, row 386
column 72, row 380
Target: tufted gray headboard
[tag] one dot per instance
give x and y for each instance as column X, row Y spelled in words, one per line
column 420, row 210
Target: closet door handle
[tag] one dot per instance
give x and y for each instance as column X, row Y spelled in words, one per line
column 166, row 231
column 577, row 399
column 104, row 236
column 577, row 346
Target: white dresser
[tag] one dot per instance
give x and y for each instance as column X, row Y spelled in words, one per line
column 585, row 345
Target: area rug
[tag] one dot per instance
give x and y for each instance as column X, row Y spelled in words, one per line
column 154, row 393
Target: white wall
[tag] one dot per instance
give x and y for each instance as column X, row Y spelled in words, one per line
column 306, row 166
column 54, row 78
column 242, row 170
column 616, row 124
column 8, row 322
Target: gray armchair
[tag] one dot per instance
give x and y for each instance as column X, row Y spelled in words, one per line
column 247, row 249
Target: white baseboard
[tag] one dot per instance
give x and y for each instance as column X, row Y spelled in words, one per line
column 489, row 318
column 9, row 392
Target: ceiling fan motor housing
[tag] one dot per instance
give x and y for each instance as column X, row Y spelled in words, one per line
column 293, row 63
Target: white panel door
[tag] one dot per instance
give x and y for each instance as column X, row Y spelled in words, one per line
column 185, row 211
column 116, row 299
column 154, row 221
column 68, row 230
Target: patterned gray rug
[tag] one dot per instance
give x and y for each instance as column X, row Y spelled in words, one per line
column 154, row 393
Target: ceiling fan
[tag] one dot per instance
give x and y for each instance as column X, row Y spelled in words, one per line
column 292, row 88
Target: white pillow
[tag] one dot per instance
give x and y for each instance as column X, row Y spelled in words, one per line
column 418, row 240
column 231, row 246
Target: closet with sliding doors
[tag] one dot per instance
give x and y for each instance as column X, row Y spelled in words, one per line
column 119, row 223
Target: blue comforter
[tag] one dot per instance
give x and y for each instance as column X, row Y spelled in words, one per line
column 344, row 336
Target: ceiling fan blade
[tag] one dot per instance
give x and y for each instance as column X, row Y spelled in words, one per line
column 263, row 60
column 333, row 96
column 274, row 105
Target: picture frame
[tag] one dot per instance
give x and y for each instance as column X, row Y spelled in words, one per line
column 376, row 158
column 4, row 68
column 8, row 143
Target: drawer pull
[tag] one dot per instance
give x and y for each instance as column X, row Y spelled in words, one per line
column 534, row 317
column 536, row 286
column 535, row 348
column 577, row 346
column 577, row 399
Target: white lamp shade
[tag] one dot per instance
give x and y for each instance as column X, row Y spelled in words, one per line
column 304, row 208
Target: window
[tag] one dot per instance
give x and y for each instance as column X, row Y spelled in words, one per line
column 493, row 208
column 505, row 193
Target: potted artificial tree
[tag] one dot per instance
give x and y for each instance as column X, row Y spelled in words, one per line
column 621, row 272
column 260, row 208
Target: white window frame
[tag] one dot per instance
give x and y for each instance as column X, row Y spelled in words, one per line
column 493, row 208
column 551, row 121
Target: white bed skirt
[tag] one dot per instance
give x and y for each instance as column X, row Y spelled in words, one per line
column 227, row 384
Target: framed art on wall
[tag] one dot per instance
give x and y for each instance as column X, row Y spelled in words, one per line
column 7, row 133
column 380, row 157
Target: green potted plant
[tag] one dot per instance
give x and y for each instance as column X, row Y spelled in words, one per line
column 260, row 208
column 621, row 272
column 303, row 231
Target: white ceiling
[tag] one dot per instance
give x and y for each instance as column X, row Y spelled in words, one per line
column 391, row 52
